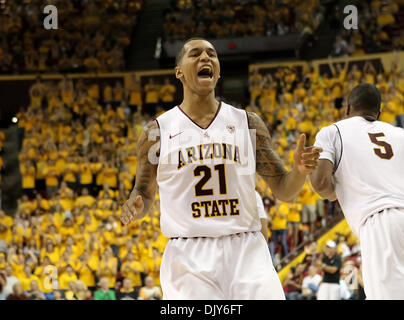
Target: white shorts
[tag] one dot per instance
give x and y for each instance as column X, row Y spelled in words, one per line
column 382, row 250
column 329, row 291
column 234, row 267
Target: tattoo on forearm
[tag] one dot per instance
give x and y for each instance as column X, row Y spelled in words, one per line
column 268, row 162
column 146, row 170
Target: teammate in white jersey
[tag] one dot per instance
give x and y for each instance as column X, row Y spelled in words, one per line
column 205, row 172
column 362, row 166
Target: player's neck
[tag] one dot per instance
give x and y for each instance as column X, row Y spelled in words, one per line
column 198, row 106
column 367, row 116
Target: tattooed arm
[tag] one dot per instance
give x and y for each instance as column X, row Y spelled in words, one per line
column 285, row 185
column 143, row 193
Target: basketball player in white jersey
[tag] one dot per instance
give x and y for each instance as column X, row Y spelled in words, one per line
column 362, row 166
column 207, row 188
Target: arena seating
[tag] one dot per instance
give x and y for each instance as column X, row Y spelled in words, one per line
column 82, row 43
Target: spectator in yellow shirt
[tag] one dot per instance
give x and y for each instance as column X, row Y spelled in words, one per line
column 111, row 175
column 97, row 170
column 27, row 277
column 68, row 276
column 41, row 203
column 308, row 200
column 51, row 173
column 107, row 94
column 86, row 175
column 108, row 267
column 279, row 214
column 132, row 269
column 167, row 92
column 67, row 229
column 70, row 172
column 87, row 268
column 51, row 252
column 135, row 95
column 28, row 173
column 85, row 199
column 46, row 273
column 153, row 265
column 152, row 97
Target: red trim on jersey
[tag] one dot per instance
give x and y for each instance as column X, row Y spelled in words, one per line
column 213, row 119
column 248, row 119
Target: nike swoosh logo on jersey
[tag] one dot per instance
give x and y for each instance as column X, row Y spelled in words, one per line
column 175, row 135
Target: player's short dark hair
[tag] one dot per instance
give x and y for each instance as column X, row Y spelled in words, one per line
column 365, row 97
column 180, row 53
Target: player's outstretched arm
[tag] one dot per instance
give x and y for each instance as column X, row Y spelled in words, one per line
column 143, row 193
column 284, row 185
column 322, row 180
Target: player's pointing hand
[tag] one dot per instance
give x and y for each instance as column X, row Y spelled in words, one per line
column 131, row 209
column 306, row 158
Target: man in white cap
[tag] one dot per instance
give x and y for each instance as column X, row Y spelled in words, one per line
column 330, row 265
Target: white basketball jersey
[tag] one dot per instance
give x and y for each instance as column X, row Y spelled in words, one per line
column 206, row 177
column 368, row 157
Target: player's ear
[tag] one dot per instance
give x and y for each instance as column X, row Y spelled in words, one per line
column 178, row 73
column 378, row 115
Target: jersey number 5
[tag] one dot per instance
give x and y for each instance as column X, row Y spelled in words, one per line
column 207, row 174
column 388, row 150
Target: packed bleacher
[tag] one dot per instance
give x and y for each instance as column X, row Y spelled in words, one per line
column 82, row 42
column 240, row 18
column 78, row 166
column 380, row 29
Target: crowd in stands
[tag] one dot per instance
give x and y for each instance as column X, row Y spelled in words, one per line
column 240, row 18
column 380, row 28
column 82, row 42
column 305, row 280
column 78, row 165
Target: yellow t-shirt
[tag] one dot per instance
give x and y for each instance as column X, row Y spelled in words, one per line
column 85, row 274
column 167, row 93
column 135, row 98
column 44, row 278
column 153, row 266
column 84, row 201
column 152, row 93
column 70, row 170
column 86, row 176
column 134, row 276
column 26, row 281
column 307, row 196
column 105, row 271
column 294, row 212
column 28, row 177
column 64, row 280
column 108, row 93
column 53, row 256
column 110, row 177
column 51, row 176
column 279, row 216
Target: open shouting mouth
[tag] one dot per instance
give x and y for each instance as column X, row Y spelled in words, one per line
column 205, row 73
